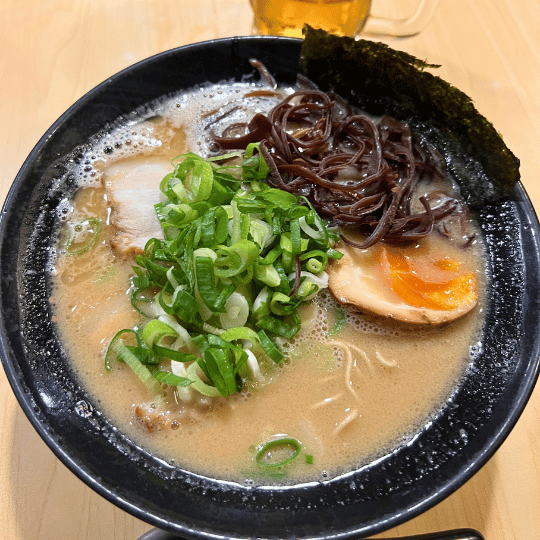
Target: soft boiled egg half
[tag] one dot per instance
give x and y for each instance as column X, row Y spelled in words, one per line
column 414, row 284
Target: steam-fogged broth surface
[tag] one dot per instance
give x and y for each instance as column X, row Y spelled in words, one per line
column 353, row 387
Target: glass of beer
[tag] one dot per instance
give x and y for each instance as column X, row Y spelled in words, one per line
column 340, row 17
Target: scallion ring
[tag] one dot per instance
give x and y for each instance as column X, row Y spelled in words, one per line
column 87, row 228
column 263, row 456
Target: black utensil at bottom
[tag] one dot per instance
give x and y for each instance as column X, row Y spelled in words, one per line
column 456, row 534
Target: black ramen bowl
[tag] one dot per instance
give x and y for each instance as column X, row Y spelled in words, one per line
column 366, row 501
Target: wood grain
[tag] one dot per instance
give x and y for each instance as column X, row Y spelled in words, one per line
column 52, row 53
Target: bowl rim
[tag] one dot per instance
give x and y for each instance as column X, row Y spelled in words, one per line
column 38, row 421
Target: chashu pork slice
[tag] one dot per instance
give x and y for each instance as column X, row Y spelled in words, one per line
column 132, row 186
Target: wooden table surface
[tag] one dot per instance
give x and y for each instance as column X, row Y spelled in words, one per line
column 54, row 51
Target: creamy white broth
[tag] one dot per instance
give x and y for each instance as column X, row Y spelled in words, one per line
column 349, row 396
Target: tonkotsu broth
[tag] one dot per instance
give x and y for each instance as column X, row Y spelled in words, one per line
column 349, row 396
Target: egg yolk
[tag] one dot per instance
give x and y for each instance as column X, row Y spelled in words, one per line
column 424, row 283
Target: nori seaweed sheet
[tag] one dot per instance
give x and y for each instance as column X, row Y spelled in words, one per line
column 378, row 80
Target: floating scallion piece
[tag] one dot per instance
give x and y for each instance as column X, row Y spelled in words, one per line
column 278, row 452
column 340, row 320
column 82, row 235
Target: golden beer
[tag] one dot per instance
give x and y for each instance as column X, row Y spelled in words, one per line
column 287, row 17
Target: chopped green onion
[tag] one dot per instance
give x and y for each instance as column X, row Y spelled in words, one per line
column 155, row 330
column 166, row 377
column 171, row 354
column 198, row 384
column 261, row 304
column 270, row 347
column 142, row 301
column 280, row 327
column 139, row 369
column 213, row 297
column 223, row 274
column 334, row 254
column 236, row 311
column 285, row 445
column 112, row 349
column 267, row 274
column 220, row 370
column 82, row 235
column 240, row 333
